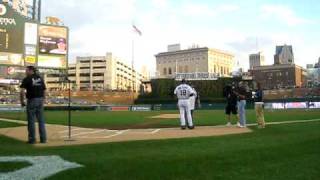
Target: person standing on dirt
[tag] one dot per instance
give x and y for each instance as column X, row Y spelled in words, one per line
column 33, row 88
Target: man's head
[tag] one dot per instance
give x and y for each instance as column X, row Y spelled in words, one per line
column 183, row 81
column 61, row 44
column 30, row 70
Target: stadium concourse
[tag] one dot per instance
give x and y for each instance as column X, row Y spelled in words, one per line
column 58, row 134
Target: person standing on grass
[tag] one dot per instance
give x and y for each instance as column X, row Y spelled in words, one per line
column 33, row 88
column 241, row 93
column 258, row 105
column 193, row 102
column 183, row 93
column 231, row 107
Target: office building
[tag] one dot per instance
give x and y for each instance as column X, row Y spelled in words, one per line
column 193, row 60
column 256, row 60
column 104, row 73
column 279, row 76
column 284, row 55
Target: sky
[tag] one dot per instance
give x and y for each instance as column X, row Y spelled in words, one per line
column 240, row 27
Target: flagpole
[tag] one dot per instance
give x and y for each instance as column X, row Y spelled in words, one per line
column 132, row 71
column 132, row 64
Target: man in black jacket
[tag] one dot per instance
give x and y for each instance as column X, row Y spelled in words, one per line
column 33, row 88
column 232, row 99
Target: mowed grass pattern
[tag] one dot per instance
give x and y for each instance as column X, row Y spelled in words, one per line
column 288, row 151
column 127, row 120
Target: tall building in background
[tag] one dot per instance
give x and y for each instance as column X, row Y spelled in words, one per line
column 104, row 73
column 317, row 65
column 256, row 60
column 284, row 55
column 193, row 60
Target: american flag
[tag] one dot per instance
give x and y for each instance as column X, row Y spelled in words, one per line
column 135, row 29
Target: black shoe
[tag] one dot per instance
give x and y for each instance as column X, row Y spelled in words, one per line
column 31, row 142
column 183, row 127
column 191, row 127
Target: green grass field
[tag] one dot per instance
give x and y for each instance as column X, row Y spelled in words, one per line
column 124, row 120
column 277, row 152
column 8, row 124
column 286, row 151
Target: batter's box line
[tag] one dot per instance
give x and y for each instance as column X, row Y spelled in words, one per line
column 105, row 137
column 75, row 129
column 85, row 133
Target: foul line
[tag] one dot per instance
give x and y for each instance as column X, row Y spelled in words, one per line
column 14, row 121
column 287, row 122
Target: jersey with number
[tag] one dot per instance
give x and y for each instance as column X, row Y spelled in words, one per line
column 183, row 91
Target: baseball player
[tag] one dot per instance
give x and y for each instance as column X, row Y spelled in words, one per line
column 193, row 101
column 184, row 92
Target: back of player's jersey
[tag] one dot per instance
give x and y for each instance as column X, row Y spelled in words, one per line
column 183, row 91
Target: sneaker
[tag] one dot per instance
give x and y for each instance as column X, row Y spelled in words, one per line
column 31, row 142
column 229, row 124
column 191, row 127
column 183, row 127
column 240, row 126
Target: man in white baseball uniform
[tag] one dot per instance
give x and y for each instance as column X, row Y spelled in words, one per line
column 184, row 92
column 193, row 101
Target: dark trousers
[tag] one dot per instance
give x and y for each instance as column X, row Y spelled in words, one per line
column 35, row 111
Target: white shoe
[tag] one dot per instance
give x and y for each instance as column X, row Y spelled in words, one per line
column 240, row 126
column 229, row 124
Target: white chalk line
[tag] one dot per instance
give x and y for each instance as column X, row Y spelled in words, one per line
column 86, row 133
column 287, row 122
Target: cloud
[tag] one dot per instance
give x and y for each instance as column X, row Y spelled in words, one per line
column 283, row 14
column 198, row 9
column 251, row 44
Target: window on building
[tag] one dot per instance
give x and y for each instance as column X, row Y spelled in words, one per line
column 99, row 67
column 85, row 74
column 170, row 71
column 85, row 61
column 85, row 82
column 84, row 67
column 221, row 70
column 98, row 74
column 165, row 71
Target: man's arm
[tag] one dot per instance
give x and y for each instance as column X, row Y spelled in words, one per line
column 22, row 95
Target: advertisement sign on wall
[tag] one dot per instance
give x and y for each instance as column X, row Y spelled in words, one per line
column 53, row 46
column 11, row 36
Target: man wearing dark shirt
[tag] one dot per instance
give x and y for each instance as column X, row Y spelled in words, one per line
column 231, row 98
column 33, row 88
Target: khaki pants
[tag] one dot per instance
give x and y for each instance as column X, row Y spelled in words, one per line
column 259, row 114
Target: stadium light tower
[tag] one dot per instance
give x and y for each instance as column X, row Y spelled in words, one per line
column 36, row 10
